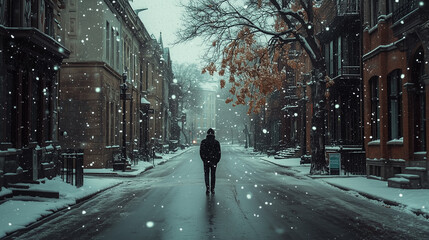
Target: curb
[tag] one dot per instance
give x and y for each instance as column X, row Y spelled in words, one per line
column 52, row 215
column 367, row 195
column 279, row 165
column 417, row 212
column 117, row 174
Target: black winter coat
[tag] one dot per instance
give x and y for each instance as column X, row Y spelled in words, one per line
column 210, row 150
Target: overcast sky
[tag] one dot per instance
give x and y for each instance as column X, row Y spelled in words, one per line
column 165, row 16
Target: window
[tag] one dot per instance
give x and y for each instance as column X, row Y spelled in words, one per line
column 3, row 13
column 335, row 121
column 375, row 109
column 107, row 42
column 127, row 59
column 112, row 47
column 117, row 49
column 112, row 123
column 375, row 11
column 54, row 115
column 47, row 118
column 331, row 58
column 419, row 102
column 107, row 124
column 35, row 108
column 49, row 20
column 339, row 56
column 389, row 6
column 7, row 94
column 395, row 104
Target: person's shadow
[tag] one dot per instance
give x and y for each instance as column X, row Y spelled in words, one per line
column 211, row 213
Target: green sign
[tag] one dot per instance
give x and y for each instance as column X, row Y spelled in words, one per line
column 334, row 163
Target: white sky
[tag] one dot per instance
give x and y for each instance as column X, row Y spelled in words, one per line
column 165, row 16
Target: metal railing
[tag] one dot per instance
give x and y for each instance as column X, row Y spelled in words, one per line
column 343, row 71
column 72, row 167
column 349, row 70
column 402, row 8
column 345, row 7
column 354, row 162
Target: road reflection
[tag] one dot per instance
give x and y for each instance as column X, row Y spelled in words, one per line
column 211, row 214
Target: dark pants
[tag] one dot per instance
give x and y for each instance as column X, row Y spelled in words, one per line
column 208, row 167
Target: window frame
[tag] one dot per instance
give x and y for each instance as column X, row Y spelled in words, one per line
column 375, row 107
column 395, row 104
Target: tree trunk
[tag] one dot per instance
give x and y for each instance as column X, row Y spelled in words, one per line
column 318, row 161
column 184, row 134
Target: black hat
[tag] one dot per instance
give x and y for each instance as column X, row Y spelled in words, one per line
column 210, row 131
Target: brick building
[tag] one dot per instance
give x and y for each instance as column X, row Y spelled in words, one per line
column 340, row 37
column 395, row 57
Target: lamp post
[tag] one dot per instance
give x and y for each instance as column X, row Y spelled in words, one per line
column 124, row 88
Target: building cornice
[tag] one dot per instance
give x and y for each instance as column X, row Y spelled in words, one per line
column 382, row 48
column 125, row 12
column 92, row 64
column 36, row 38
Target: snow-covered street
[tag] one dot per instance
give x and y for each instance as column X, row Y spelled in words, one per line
column 254, row 199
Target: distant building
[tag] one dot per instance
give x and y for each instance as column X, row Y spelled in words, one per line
column 199, row 122
column 108, row 40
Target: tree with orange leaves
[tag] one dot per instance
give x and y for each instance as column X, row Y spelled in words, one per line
column 250, row 40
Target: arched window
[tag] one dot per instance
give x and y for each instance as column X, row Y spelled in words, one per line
column 375, row 108
column 395, row 104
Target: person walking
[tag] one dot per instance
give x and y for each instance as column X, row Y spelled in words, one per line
column 210, row 154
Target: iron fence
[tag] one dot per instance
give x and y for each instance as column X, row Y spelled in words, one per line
column 354, row 162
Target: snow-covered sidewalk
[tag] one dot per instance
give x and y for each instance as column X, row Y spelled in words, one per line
column 136, row 169
column 414, row 200
column 20, row 211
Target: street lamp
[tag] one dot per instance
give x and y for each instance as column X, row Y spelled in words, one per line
column 124, row 88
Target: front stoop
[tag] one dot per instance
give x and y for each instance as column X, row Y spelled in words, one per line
column 422, row 172
column 406, row 181
column 287, row 153
column 20, row 189
column 35, row 193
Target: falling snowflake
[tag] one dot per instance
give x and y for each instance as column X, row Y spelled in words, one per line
column 150, row 224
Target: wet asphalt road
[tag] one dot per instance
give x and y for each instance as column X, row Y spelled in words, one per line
column 253, row 200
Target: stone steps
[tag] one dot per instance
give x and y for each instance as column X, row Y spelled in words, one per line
column 405, row 181
column 35, row 193
column 422, row 172
column 23, row 189
column 287, row 153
